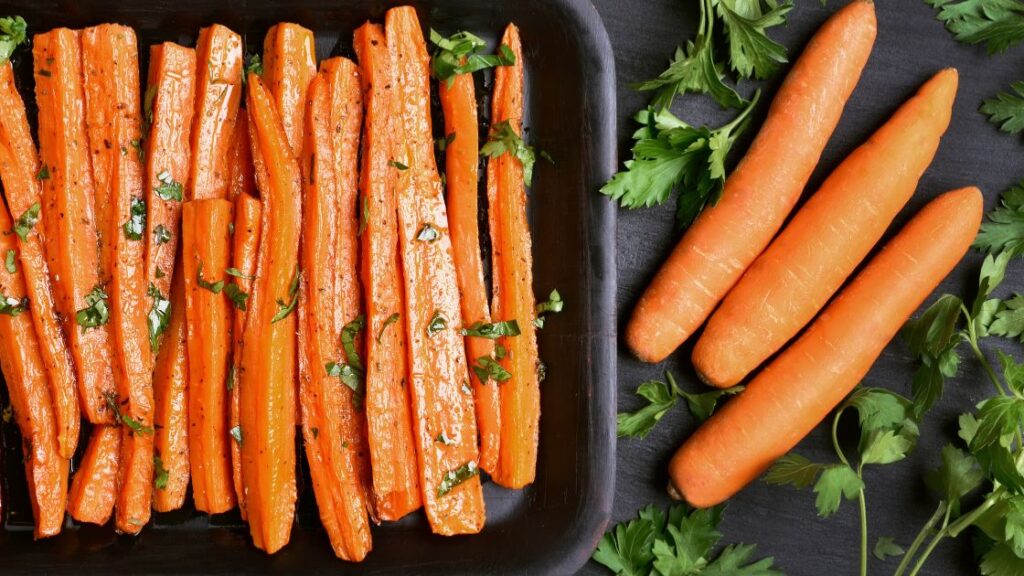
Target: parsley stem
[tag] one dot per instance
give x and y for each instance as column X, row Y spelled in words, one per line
column 925, row 530
column 862, row 502
column 931, row 545
column 835, row 438
column 968, row 519
column 972, row 339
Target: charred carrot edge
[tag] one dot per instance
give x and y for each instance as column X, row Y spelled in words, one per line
column 243, row 180
column 170, row 399
column 800, row 387
column 218, row 94
column 513, row 273
column 20, row 172
column 205, row 252
column 462, row 158
column 246, row 245
column 289, row 65
column 388, row 413
column 267, row 396
column 71, row 243
column 26, row 377
column 761, row 191
column 167, row 109
column 333, row 425
column 443, row 419
column 94, row 485
column 110, row 64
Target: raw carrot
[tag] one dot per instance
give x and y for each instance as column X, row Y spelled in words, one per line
column 289, row 64
column 170, row 399
column 94, row 485
column 797, row 390
column 444, row 423
column 760, row 192
column 389, row 420
column 246, row 245
column 243, row 178
column 26, row 377
column 333, row 425
column 267, row 394
column 513, row 281
column 462, row 157
column 804, row 266
column 20, row 172
column 218, row 94
column 71, row 243
column 206, row 250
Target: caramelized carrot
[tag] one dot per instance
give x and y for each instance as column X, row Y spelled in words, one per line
column 218, row 93
column 71, row 243
column 94, row 485
column 170, row 399
column 267, row 395
column 243, row 179
column 26, row 377
column 462, row 157
column 289, row 64
column 20, row 173
column 332, row 419
column 246, row 245
column 388, row 414
column 513, row 274
column 443, row 419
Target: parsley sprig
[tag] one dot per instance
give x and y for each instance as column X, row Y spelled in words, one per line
column 998, row 24
column 13, row 32
column 504, row 139
column 458, row 54
column 662, row 397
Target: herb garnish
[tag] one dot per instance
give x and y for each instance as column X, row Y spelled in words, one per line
column 95, row 313
column 397, row 164
column 238, row 274
column 161, row 235
column 391, row 320
column 13, row 31
column 662, row 397
column 236, row 295
column 11, row 306
column 135, row 227
column 283, row 308
column 28, row 219
column 428, row 233
column 114, row 406
column 10, row 262
column 502, row 139
column 443, row 438
column 236, row 433
column 453, row 478
column 348, row 340
column 492, row 330
column 253, row 65
column 437, row 323
column 44, row 172
column 160, row 474
column 487, row 369
column 998, row 24
column 553, row 304
column 159, row 317
column 214, row 287
column 169, row 189
column 457, row 54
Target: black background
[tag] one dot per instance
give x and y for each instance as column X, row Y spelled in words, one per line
column 911, row 46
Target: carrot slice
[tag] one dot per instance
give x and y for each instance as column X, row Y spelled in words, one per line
column 25, row 374
column 462, row 158
column 761, row 191
column 797, row 390
column 388, row 414
column 332, row 417
column 20, row 172
column 243, row 178
column 246, row 246
column 218, row 94
column 804, row 266
column 289, row 65
column 267, row 395
column 94, row 485
column 443, row 419
column 71, row 243
column 170, row 398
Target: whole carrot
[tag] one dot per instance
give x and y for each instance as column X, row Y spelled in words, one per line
column 170, row 400
column 804, row 266
column 760, row 192
column 796, row 391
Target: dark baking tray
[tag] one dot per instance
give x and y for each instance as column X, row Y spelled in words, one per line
column 549, row 528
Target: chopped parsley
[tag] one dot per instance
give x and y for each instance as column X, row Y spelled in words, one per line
column 453, row 478
column 28, row 219
column 11, row 306
column 236, row 433
column 428, row 233
column 214, row 287
column 135, row 425
column 159, row 317
column 554, row 304
column 135, row 227
column 238, row 274
column 487, row 369
column 492, row 330
column 169, row 189
column 160, row 474
column 437, row 323
column 237, row 296
column 503, row 138
column 95, row 313
column 348, row 341
column 443, row 438
column 457, row 54
column 44, row 173
column 12, row 33
column 10, row 262
column 397, row 164
column 391, row 320
column 283, row 308
column 161, row 235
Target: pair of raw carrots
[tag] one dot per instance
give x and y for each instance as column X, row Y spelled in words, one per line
column 767, row 288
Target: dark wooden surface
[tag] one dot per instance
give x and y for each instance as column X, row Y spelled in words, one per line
column 911, row 46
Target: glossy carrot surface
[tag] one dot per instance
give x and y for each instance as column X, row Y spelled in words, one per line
column 218, row 94
column 170, row 399
column 289, row 64
column 94, row 485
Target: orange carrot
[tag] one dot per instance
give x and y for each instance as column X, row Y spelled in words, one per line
column 804, row 266
column 458, row 99
column 442, row 401
column 218, row 94
column 243, row 180
column 20, row 172
column 94, row 485
column 246, row 245
column 289, row 64
column 26, row 377
column 388, row 414
column 170, row 398
column 267, row 394
column 332, row 419
column 760, row 192
column 71, row 243
column 796, row 391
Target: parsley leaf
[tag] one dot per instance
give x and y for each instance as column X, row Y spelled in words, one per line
column 236, row 295
column 885, row 547
column 453, row 478
column 160, row 474
column 956, row 477
column 135, row 227
column 428, row 233
column 437, row 323
column 253, row 65
column 793, row 470
column 390, row 320
column 28, row 219
column 493, row 330
column 11, row 306
column 553, row 304
column 503, row 138
column 348, row 340
column 732, row 561
column 933, row 339
column 835, row 483
column 998, row 24
column 161, row 235
column 662, row 397
column 283, row 308
column 1001, row 560
column 457, row 54
column 13, row 32
column 349, row 375
column 752, row 54
column 96, row 313
column 236, row 433
column 10, row 262
column 44, row 173
column 169, row 189
column 136, row 426
column 159, row 317
column 1007, row 110
column 488, row 368
column 214, row 287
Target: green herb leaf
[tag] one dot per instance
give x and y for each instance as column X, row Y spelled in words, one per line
column 136, row 426
column 835, row 483
column 286, row 308
column 236, row 433
column 214, row 287
column 443, row 438
column 236, row 295
column 169, row 189
column 348, row 341
column 428, row 233
column 10, row 306
column 998, row 419
column 44, row 173
column 159, row 317
column 135, row 227
column 13, row 32
column 161, row 235
column 1003, row 228
column 660, row 397
column 10, row 262
column 1009, row 320
column 794, row 470
column 28, row 219
column 504, row 139
column 703, row 404
column 349, row 376
column 998, row 24
column 489, row 369
column 626, row 549
column 160, row 474
column 238, row 274
column 457, row 54
column 553, row 304
column 751, row 52
column 453, row 478
column 1005, row 109
column 390, row 320
column 253, row 65
column 437, row 323
column 732, row 561
column 95, row 313
column 956, row 477
column 397, row 164
column 885, row 548
column 1001, row 560
column 492, row 331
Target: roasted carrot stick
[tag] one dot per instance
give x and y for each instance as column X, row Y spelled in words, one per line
column 170, row 398
column 289, row 64
column 94, row 485
column 20, row 172
column 388, row 414
column 71, row 243
column 444, row 423
column 333, row 425
column 218, row 94
column 804, row 266
column 760, row 192
column 513, row 278
column 462, row 157
column 26, row 377
column 246, row 245
column 267, row 395
column 243, row 180
column 800, row 388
